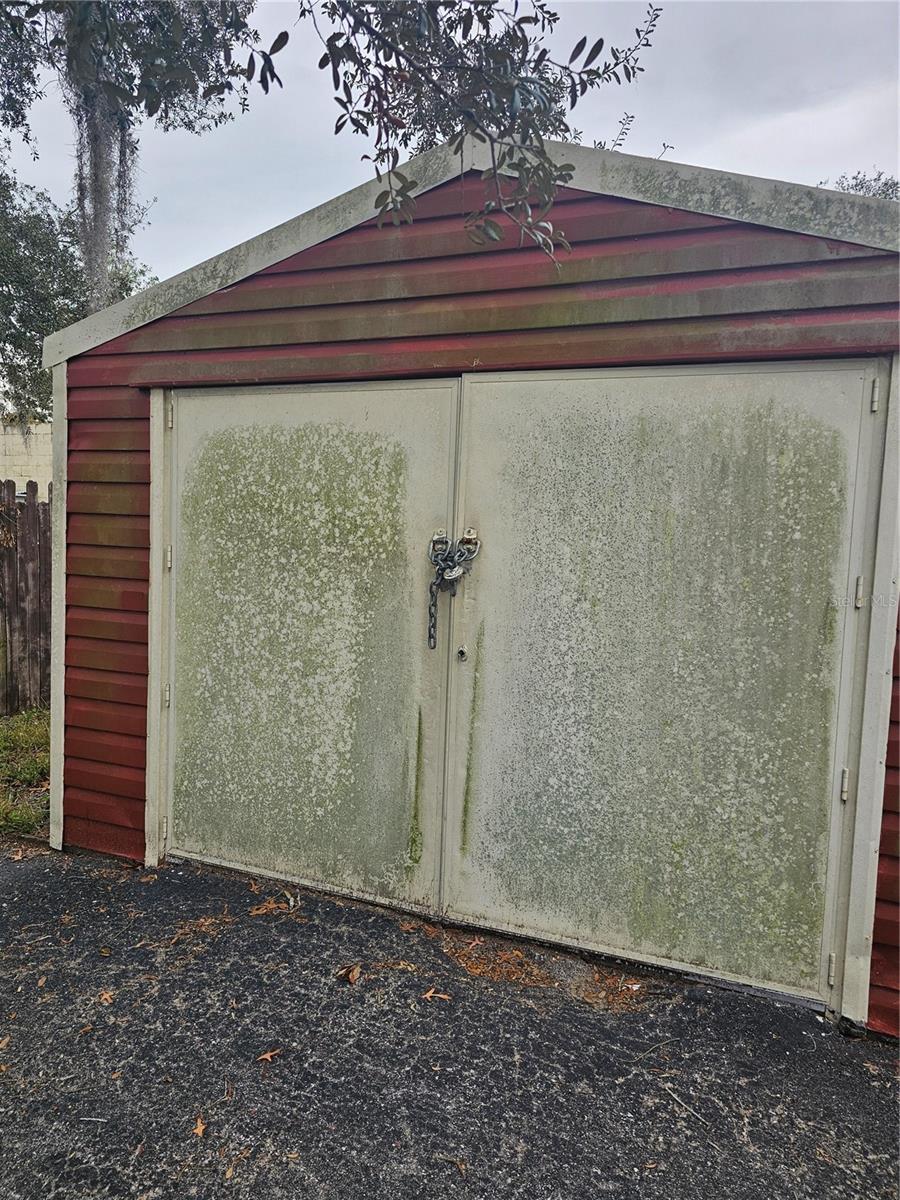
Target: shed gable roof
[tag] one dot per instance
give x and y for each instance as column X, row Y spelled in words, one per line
column 772, row 203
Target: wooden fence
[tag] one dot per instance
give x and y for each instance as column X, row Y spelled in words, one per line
column 24, row 599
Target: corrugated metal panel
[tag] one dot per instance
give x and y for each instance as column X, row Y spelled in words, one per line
column 884, row 994
column 643, row 284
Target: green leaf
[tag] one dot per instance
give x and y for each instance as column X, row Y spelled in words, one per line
column 280, row 42
column 593, row 53
column 580, row 45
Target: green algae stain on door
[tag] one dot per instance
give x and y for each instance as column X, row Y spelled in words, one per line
column 663, row 562
column 297, row 722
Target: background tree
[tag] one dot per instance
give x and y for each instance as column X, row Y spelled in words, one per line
column 864, row 183
column 404, row 74
column 116, row 62
column 42, row 288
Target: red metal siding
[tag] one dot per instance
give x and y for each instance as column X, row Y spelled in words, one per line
column 108, row 564
column 643, row 284
column 884, row 991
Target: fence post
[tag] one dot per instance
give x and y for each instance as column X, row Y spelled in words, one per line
column 30, row 594
column 7, row 546
column 9, row 523
column 45, row 572
column 24, row 599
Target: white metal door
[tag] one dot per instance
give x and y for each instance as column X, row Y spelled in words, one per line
column 307, row 715
column 646, row 689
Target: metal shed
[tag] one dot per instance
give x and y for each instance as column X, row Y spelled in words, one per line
column 655, row 718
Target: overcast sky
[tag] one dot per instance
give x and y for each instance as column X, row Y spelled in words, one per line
column 792, row 89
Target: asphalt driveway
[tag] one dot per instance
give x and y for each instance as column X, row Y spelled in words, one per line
column 190, row 1033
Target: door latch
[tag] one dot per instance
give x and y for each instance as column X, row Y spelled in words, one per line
column 451, row 561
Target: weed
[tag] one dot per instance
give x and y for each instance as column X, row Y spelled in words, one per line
column 24, row 771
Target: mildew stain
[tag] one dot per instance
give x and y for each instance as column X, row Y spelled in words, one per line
column 294, row 712
column 652, row 769
column 415, row 842
column 474, row 710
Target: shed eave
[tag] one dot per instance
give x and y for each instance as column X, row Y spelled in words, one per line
column 794, row 207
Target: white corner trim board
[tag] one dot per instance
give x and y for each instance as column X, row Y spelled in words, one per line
column 794, row 207
column 875, row 720
column 58, row 607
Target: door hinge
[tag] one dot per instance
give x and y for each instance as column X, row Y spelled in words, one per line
column 170, row 416
column 167, row 695
column 845, row 784
column 168, row 558
column 873, row 403
column 165, row 829
column 832, row 963
column 858, row 599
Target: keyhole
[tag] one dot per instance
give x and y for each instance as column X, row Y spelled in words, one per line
column 462, row 654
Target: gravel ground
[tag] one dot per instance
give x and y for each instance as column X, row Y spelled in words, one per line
column 186, row 1032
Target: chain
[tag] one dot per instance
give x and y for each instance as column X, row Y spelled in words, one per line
column 450, row 561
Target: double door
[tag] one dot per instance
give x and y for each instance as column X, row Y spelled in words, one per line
column 630, row 733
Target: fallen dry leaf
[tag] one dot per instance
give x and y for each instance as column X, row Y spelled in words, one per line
column 431, row 994
column 85, row 1029
column 42, row 981
column 271, row 904
column 200, row 1126
column 292, row 1156
column 106, row 997
column 211, row 925
column 105, row 951
column 351, row 973
column 149, row 878
column 242, row 1156
column 254, row 885
column 398, row 964
column 4, row 1042
column 456, row 1162
column 408, row 926
column 269, row 1055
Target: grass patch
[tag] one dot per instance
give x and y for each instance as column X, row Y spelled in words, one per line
column 24, row 771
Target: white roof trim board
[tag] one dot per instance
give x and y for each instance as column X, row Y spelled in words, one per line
column 790, row 206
